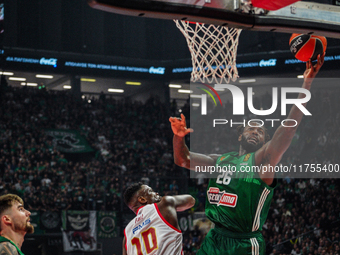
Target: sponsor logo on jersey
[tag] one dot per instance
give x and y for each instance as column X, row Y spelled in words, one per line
column 217, row 197
column 140, row 226
column 246, row 158
column 138, row 218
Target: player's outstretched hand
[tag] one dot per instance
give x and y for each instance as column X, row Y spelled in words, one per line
column 179, row 126
column 311, row 71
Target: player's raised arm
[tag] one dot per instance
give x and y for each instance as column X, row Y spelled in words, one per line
column 182, row 156
column 272, row 152
column 183, row 202
column 170, row 205
column 179, row 203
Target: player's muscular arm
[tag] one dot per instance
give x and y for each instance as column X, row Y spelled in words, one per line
column 179, row 203
column 6, row 248
column 187, row 159
column 183, row 202
column 272, row 152
column 169, row 206
column 182, row 156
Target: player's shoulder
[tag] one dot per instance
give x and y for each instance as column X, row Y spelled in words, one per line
column 7, row 248
column 145, row 208
column 169, row 200
column 142, row 212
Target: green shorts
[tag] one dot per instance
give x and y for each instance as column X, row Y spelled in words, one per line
column 220, row 241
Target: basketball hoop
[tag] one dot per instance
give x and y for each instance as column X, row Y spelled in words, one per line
column 213, row 51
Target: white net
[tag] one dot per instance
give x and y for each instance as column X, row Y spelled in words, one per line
column 213, row 51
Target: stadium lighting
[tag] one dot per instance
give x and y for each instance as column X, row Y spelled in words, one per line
column 6, row 73
column 88, row 79
column 67, row 87
column 42, row 76
column 176, row 86
column 17, row 79
column 116, row 90
column 185, row 91
column 32, row 84
column 133, row 83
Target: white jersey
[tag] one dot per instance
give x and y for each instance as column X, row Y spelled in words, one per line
column 149, row 233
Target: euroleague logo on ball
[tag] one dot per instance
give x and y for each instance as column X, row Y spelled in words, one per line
column 293, row 46
column 307, row 47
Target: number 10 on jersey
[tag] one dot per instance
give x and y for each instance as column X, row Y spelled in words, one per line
column 149, row 239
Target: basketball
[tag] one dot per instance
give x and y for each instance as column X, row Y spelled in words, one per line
column 305, row 47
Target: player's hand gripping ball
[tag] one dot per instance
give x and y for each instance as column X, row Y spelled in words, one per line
column 306, row 47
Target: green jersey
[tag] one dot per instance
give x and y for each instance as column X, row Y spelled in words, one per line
column 238, row 199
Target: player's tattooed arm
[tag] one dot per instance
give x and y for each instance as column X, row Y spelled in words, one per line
column 6, row 248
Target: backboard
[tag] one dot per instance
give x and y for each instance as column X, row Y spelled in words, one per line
column 299, row 17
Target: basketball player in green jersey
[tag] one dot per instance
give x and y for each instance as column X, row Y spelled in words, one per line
column 238, row 202
column 14, row 224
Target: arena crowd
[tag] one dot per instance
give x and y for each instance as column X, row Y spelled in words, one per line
column 132, row 141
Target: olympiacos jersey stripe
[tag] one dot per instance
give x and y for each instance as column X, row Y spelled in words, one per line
column 125, row 240
column 165, row 221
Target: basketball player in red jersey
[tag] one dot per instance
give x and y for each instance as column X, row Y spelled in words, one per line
column 155, row 228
